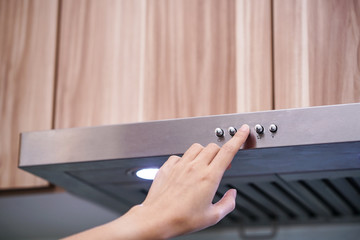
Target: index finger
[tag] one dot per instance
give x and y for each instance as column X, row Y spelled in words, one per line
column 228, row 151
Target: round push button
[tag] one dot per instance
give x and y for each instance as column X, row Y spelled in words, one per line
column 259, row 129
column 273, row 128
column 232, row 131
column 219, row 132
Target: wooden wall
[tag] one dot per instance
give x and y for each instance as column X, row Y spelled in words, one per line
column 83, row 63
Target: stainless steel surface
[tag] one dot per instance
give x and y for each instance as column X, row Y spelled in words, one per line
column 329, row 124
column 308, row 171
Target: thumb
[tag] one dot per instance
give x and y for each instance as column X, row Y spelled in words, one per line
column 226, row 204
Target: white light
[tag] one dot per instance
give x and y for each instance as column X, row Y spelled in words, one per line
column 147, row 173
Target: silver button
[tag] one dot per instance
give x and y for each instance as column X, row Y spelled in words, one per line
column 232, row 131
column 219, row 132
column 259, row 129
column 273, row 128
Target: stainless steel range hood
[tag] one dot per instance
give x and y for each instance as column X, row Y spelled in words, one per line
column 308, row 171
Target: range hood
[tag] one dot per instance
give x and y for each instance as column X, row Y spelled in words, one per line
column 305, row 170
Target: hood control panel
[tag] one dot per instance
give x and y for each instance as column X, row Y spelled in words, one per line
column 259, row 129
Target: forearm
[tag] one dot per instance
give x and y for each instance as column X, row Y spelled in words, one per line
column 107, row 232
column 131, row 226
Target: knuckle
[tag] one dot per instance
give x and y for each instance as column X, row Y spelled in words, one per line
column 174, row 157
column 191, row 167
column 205, row 178
column 208, row 176
column 197, row 145
column 164, row 167
column 171, row 160
column 213, row 146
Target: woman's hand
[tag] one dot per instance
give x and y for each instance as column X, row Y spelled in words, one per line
column 180, row 198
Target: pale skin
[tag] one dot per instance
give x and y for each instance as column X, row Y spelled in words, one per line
column 180, row 198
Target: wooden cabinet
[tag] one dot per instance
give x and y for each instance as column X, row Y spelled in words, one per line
column 101, row 70
column 27, row 67
column 128, row 61
column 316, row 52
column 88, row 62
column 254, row 59
column 190, row 63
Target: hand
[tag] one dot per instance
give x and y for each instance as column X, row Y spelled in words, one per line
column 180, row 198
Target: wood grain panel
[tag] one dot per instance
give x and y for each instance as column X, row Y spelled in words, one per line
column 190, row 67
column 126, row 61
column 100, row 64
column 316, row 52
column 27, row 62
column 254, row 55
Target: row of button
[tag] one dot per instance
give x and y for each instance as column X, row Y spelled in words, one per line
column 259, row 129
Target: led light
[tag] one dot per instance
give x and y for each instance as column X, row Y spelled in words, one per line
column 147, row 173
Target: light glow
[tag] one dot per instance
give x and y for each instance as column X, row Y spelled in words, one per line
column 147, row 173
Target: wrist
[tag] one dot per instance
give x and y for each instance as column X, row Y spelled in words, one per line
column 141, row 223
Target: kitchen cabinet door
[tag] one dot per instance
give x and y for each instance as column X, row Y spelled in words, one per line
column 27, row 66
column 254, row 75
column 207, row 57
column 100, row 64
column 190, row 58
column 129, row 61
column 316, row 52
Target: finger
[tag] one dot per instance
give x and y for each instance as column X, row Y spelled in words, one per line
column 164, row 171
column 192, row 152
column 172, row 160
column 225, row 205
column 229, row 150
column 208, row 153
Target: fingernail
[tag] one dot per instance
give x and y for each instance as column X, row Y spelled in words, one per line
column 244, row 128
